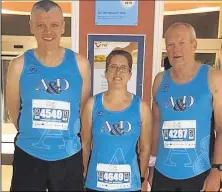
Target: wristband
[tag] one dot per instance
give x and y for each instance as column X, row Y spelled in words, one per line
column 152, row 161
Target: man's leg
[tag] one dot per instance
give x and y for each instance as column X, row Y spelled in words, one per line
column 162, row 183
column 29, row 173
column 194, row 183
column 90, row 190
column 67, row 174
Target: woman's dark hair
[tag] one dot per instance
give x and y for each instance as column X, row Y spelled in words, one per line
column 126, row 54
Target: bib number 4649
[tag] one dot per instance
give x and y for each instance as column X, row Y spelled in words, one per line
column 113, row 176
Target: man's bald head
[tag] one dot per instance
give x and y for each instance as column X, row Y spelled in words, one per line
column 181, row 24
column 46, row 6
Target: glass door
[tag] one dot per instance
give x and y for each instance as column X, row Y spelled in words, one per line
column 8, row 130
column 5, row 62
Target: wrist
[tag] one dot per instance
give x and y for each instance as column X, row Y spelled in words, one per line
column 142, row 179
column 215, row 171
column 217, row 167
column 152, row 161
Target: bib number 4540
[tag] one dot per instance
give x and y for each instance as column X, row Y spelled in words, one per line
column 51, row 113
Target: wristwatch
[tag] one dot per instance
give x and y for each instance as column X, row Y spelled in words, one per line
column 218, row 166
column 142, row 179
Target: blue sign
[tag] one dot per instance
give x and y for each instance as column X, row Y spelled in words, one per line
column 116, row 12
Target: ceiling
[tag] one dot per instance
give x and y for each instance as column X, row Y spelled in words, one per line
column 25, row 6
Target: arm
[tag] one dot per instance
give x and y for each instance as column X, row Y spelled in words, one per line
column 145, row 137
column 212, row 182
column 12, row 88
column 156, row 123
column 156, row 115
column 216, row 89
column 86, row 132
column 84, row 68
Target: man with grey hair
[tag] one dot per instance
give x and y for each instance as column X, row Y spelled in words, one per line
column 184, row 97
column 46, row 89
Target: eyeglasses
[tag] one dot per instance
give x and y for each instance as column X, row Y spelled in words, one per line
column 115, row 68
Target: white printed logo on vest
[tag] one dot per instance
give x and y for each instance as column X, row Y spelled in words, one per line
column 118, row 128
column 197, row 160
column 50, row 135
column 180, row 104
column 53, row 87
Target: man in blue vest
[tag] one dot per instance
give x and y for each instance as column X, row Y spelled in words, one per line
column 46, row 89
column 182, row 111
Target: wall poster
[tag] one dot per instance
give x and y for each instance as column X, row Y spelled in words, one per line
column 99, row 46
column 116, row 12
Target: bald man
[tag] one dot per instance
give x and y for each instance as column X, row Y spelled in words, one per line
column 183, row 100
column 46, row 89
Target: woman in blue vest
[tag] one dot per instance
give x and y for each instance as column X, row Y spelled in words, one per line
column 113, row 123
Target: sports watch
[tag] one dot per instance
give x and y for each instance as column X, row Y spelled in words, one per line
column 218, row 166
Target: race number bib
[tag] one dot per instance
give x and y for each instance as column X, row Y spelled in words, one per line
column 50, row 114
column 179, row 134
column 113, row 177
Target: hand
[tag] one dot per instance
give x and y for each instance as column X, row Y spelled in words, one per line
column 212, row 182
column 150, row 176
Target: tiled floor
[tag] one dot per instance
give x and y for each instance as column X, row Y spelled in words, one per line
column 6, row 177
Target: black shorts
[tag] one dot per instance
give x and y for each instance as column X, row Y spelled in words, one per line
column 163, row 183
column 33, row 174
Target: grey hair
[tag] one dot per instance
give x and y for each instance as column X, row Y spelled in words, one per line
column 45, row 5
column 187, row 25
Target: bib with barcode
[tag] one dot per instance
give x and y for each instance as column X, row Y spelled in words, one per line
column 179, row 134
column 50, row 114
column 113, row 177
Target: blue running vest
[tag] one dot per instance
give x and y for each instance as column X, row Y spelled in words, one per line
column 114, row 162
column 185, row 122
column 49, row 121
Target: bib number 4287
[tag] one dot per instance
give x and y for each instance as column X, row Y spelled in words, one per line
column 178, row 133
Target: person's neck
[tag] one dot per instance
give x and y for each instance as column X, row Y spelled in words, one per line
column 50, row 57
column 185, row 72
column 117, row 95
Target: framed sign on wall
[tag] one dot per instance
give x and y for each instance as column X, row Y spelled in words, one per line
column 99, row 47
